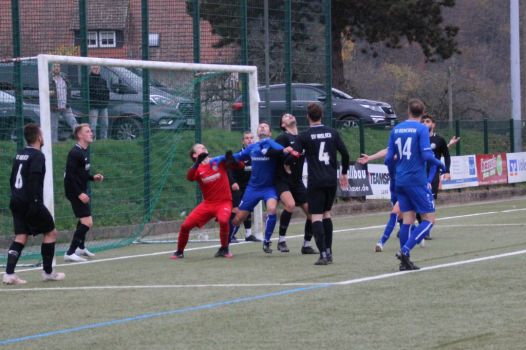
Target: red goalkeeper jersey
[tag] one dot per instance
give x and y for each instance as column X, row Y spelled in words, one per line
column 213, row 181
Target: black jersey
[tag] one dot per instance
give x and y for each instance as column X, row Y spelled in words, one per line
column 77, row 172
column 27, row 176
column 241, row 176
column 287, row 139
column 440, row 149
column 321, row 144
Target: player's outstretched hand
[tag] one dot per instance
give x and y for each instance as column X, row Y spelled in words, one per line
column 363, row 159
column 201, row 157
column 229, row 157
column 98, row 177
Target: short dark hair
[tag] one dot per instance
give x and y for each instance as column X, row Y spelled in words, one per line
column 416, row 107
column 31, row 133
column 314, row 111
column 265, row 122
column 428, row 116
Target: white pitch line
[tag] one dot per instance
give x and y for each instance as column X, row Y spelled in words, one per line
column 256, row 285
column 217, row 245
column 477, row 225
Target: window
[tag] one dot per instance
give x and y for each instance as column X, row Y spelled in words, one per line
column 277, row 94
column 307, row 94
column 107, row 39
column 153, row 40
column 93, row 39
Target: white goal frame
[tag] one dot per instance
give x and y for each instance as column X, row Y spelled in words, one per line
column 45, row 111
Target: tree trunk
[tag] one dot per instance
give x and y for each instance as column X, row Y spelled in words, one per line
column 338, row 79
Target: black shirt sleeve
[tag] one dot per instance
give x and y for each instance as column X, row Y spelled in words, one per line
column 447, row 156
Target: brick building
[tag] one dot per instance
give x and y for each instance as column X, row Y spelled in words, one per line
column 114, row 30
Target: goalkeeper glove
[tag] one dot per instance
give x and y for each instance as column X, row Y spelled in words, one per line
column 229, row 157
column 199, row 159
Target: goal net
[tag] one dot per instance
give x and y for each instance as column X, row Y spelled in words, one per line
column 142, row 149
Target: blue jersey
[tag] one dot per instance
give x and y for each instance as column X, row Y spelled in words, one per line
column 409, row 143
column 263, row 162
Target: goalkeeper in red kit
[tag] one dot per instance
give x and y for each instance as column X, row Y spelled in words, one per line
column 212, row 177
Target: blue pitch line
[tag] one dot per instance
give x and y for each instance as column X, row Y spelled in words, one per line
column 161, row 314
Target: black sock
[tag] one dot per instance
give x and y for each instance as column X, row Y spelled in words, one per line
column 308, row 230
column 248, row 222
column 319, row 237
column 78, row 238
column 327, row 227
column 284, row 221
column 15, row 250
column 48, row 251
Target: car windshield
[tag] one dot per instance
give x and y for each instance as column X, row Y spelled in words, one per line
column 6, row 98
column 153, row 82
column 340, row 94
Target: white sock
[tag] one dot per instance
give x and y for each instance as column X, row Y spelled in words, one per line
column 306, row 243
column 248, row 232
column 281, row 239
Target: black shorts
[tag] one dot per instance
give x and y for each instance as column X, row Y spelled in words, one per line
column 298, row 191
column 38, row 222
column 80, row 209
column 321, row 199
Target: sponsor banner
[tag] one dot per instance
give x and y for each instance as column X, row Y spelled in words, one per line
column 379, row 180
column 492, row 169
column 463, row 171
column 358, row 182
column 516, row 167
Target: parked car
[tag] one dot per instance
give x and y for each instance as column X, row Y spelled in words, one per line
column 8, row 120
column 346, row 110
column 168, row 111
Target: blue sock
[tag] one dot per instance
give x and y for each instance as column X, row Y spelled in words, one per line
column 419, row 233
column 404, row 234
column 269, row 226
column 389, row 227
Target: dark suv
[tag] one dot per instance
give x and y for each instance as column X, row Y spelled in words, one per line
column 168, row 111
column 346, row 110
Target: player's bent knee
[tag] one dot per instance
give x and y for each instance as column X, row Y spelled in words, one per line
column 50, row 237
column 87, row 221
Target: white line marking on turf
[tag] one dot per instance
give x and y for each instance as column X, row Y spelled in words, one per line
column 253, row 285
column 217, row 245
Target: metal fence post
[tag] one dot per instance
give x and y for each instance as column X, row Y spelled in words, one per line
column 486, row 141
column 196, row 33
column 288, row 55
column 362, row 136
column 457, row 134
column 19, row 123
column 244, row 60
column 146, row 109
column 328, row 62
column 84, row 78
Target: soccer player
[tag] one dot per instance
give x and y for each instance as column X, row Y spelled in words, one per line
column 30, row 216
column 76, row 179
column 212, row 177
column 409, row 149
column 290, row 188
column 238, row 183
column 264, row 156
column 440, row 149
column 320, row 144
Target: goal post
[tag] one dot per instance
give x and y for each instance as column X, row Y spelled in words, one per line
column 173, row 195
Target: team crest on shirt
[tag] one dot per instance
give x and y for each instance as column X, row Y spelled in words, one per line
column 87, row 166
column 214, row 167
column 433, row 145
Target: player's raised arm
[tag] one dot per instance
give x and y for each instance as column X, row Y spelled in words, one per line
column 364, row 158
column 391, row 152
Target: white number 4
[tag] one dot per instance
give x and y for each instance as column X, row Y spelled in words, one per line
column 406, row 150
column 323, row 156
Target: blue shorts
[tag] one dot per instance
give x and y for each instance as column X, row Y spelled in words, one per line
column 252, row 196
column 394, row 199
column 418, row 199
